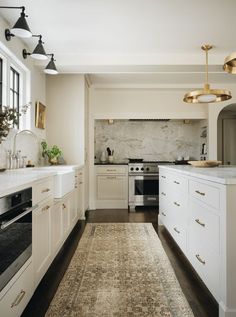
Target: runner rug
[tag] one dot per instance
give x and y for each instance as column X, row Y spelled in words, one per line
column 119, row 269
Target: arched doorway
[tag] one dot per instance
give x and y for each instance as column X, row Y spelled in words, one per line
column 226, row 135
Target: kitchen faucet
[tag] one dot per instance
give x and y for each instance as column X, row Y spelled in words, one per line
column 15, row 154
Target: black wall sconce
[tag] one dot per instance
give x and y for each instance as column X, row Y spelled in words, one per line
column 38, row 52
column 51, row 67
column 20, row 28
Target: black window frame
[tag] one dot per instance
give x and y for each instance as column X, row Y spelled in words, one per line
column 15, row 90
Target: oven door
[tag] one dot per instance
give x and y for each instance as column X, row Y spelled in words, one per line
column 144, row 190
column 15, row 241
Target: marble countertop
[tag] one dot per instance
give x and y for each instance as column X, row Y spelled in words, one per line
column 221, row 174
column 14, row 180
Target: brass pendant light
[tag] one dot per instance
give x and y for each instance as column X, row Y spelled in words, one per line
column 230, row 63
column 207, row 95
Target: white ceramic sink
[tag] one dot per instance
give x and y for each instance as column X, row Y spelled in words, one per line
column 64, row 182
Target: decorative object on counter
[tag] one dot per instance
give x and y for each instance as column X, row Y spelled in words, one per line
column 103, row 158
column 209, row 163
column 40, row 115
column 9, row 117
column 29, row 164
column 207, row 95
column 110, row 158
column 53, row 154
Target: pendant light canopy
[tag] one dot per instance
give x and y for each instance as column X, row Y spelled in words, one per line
column 39, row 51
column 21, row 27
column 230, row 63
column 51, row 67
column 207, row 95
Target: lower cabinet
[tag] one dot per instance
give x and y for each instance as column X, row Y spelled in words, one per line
column 56, row 228
column 112, row 187
column 15, row 300
column 42, row 239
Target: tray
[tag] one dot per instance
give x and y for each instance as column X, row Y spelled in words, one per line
column 205, row 163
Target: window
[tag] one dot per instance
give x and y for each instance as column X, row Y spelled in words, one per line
column 15, row 90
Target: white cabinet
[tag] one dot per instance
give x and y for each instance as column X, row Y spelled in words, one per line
column 80, row 197
column 15, row 300
column 202, row 222
column 42, row 239
column 56, row 227
column 112, row 187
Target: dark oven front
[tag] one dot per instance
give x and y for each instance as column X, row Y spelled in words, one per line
column 15, row 233
column 144, row 190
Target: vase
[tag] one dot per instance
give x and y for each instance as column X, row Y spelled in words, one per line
column 53, row 160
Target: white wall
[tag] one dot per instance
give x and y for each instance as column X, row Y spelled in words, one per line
column 66, row 115
column 125, row 103
column 36, row 91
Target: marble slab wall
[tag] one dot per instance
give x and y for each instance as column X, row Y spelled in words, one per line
column 150, row 140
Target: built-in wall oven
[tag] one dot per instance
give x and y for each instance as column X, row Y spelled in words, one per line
column 15, row 233
column 144, row 183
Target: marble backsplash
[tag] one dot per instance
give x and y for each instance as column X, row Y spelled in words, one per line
column 150, row 140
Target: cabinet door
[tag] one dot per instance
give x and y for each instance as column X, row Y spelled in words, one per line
column 56, row 227
column 42, row 239
column 81, row 199
column 65, row 217
column 111, row 187
column 15, row 300
column 73, row 207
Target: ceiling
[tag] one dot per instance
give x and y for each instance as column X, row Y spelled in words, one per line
column 157, row 37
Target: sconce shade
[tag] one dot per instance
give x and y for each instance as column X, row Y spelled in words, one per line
column 21, row 28
column 39, row 52
column 51, row 68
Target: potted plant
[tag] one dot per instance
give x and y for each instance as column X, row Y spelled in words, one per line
column 52, row 153
column 8, row 118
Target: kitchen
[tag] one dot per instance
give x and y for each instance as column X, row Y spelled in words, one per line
column 132, row 103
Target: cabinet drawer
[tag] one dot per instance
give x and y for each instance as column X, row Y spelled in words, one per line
column 164, row 176
column 111, row 170
column 178, row 233
column 204, row 227
column 208, row 194
column 111, row 187
column 15, row 300
column 179, row 183
column 42, row 190
column 178, row 204
column 207, row 266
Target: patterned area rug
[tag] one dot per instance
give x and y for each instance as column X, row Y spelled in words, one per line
column 119, row 269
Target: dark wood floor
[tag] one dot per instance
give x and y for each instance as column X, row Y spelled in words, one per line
column 199, row 298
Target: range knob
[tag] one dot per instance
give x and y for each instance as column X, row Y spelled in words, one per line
column 131, row 168
column 142, row 169
column 147, row 169
column 137, row 168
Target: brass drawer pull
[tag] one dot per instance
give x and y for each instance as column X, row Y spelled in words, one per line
column 76, row 186
column 18, row 298
column 200, row 193
column 164, row 194
column 109, row 170
column 45, row 208
column 200, row 260
column 176, row 230
column 163, row 176
column 111, row 177
column 163, row 214
column 63, row 206
column 176, row 204
column 176, row 182
column 46, row 190
column 80, row 183
column 200, row 223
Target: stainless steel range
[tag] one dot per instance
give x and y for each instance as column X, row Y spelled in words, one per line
column 144, row 183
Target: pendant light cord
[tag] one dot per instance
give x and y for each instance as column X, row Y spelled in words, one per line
column 206, row 66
